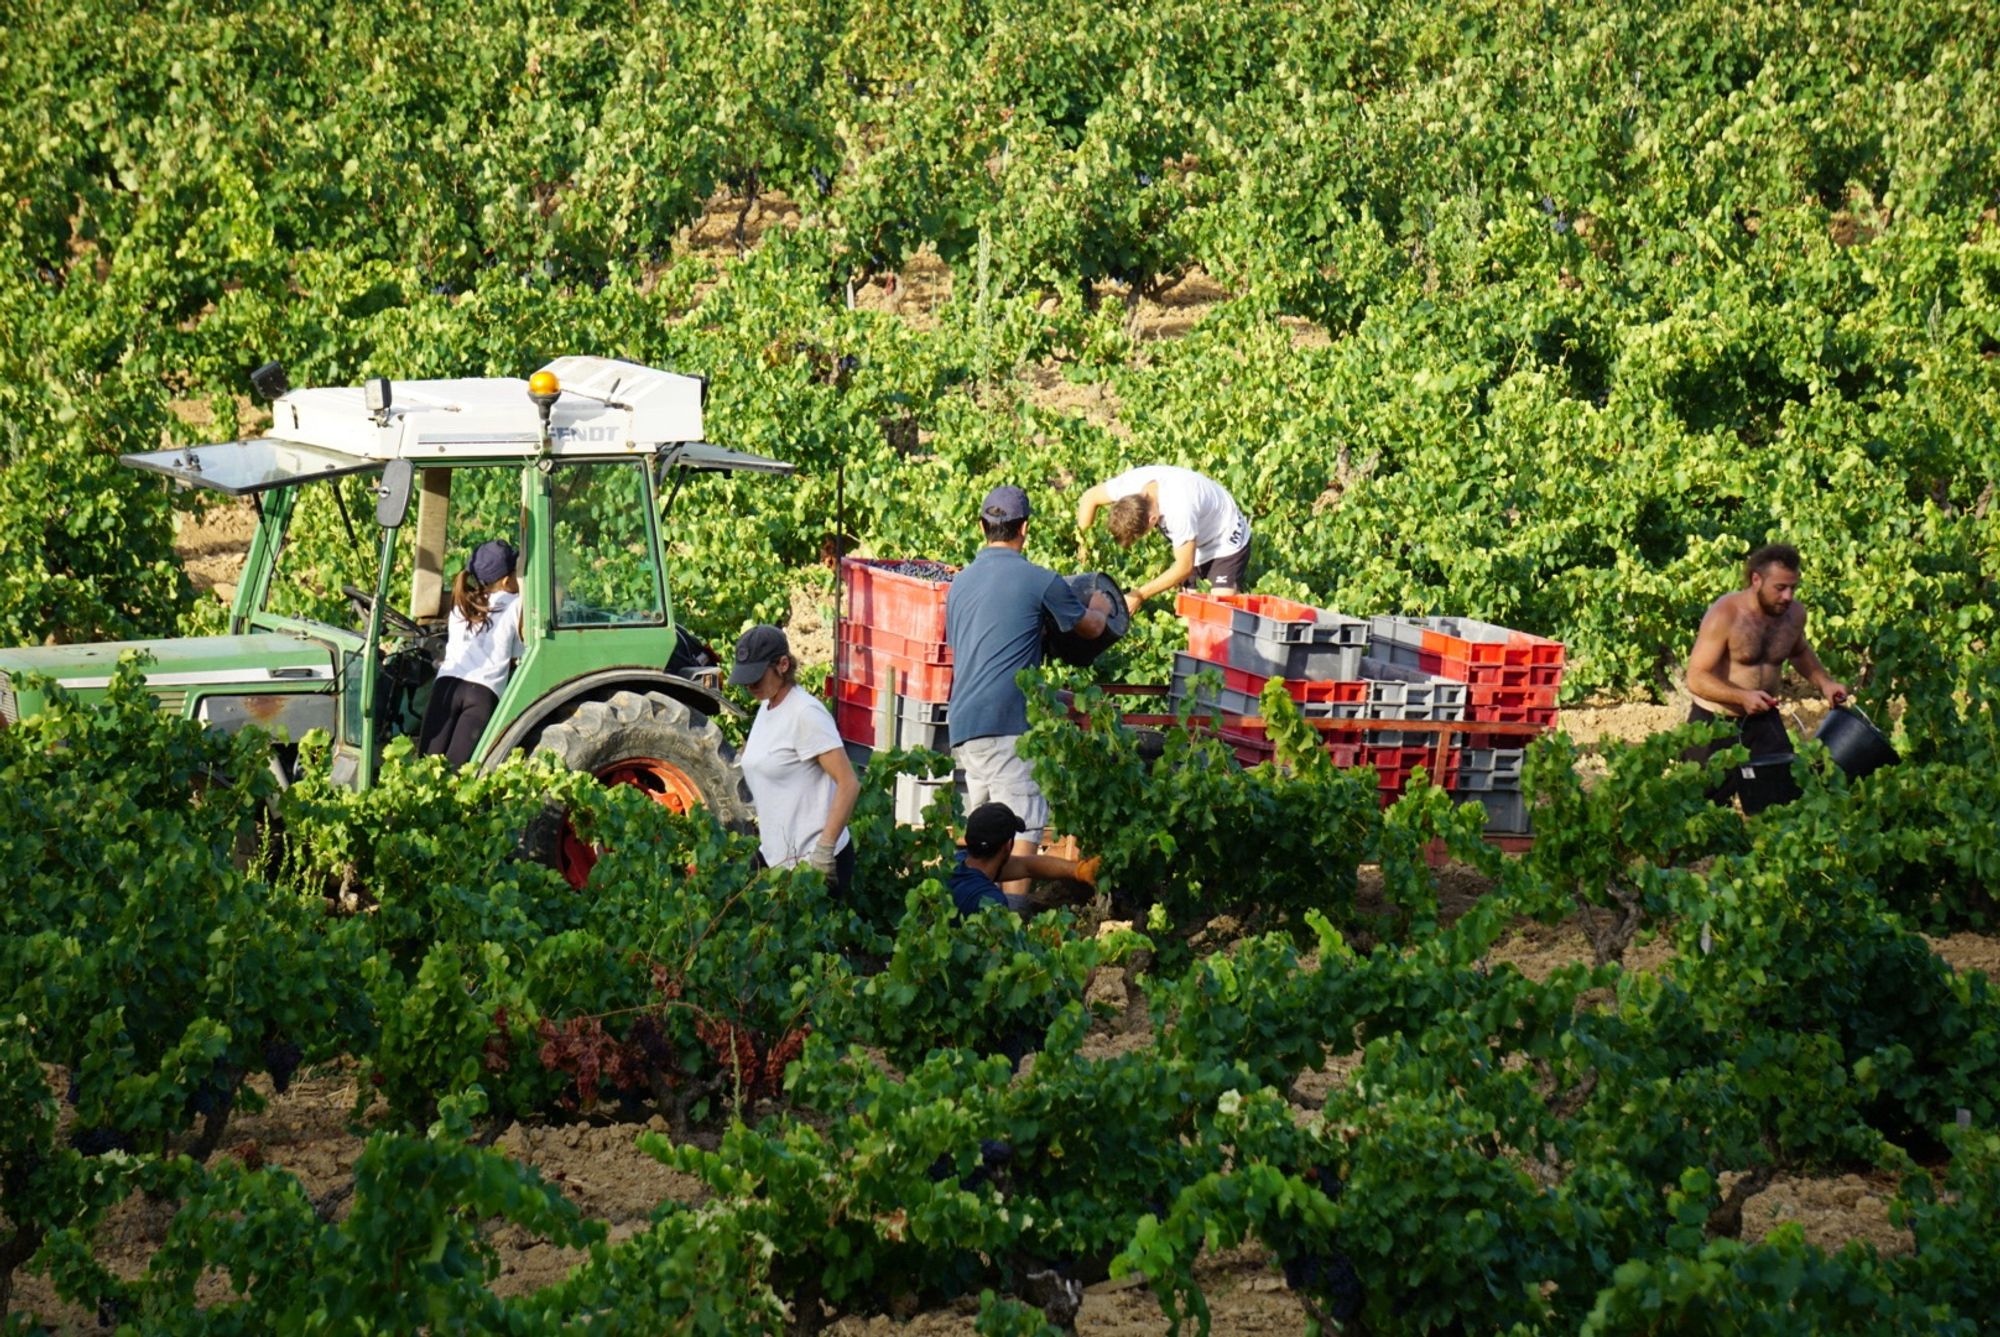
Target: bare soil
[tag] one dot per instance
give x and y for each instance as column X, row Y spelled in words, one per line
column 1831, row 1210
column 213, row 542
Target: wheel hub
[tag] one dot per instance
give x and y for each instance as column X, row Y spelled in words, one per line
column 662, row 781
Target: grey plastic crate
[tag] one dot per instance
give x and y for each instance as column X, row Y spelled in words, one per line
column 916, row 724
column 1501, row 761
column 1330, row 628
column 1506, row 811
column 1397, row 738
column 1488, row 782
column 1376, row 668
column 1226, row 700
column 1409, row 631
column 1229, row 701
column 1269, row 658
column 914, row 796
column 1417, row 701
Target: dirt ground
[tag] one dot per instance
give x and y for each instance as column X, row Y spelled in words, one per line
column 307, row 1131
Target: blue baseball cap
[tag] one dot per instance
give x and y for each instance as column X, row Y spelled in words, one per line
column 492, row 560
column 1004, row 504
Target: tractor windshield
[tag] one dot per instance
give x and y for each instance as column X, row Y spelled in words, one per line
column 605, row 571
column 246, row 468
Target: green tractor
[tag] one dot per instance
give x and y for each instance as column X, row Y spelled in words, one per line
column 577, row 465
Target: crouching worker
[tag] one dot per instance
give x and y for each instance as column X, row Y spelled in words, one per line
column 988, row 859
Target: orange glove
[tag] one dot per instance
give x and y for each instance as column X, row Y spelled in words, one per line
column 1086, row 870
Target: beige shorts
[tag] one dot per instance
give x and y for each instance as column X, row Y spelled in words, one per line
column 995, row 772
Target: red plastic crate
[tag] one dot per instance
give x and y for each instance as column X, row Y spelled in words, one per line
column 1481, row 696
column 1302, row 690
column 1252, row 745
column 883, row 641
column 875, row 668
column 1518, row 649
column 1495, row 740
column 1542, row 715
column 856, row 722
column 1220, row 609
column 1490, row 675
column 1209, row 642
column 893, row 602
column 1249, row 751
column 1512, row 705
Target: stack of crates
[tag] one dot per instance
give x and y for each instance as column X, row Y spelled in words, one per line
column 1250, row 639
column 892, row 669
column 1269, row 637
column 1510, row 677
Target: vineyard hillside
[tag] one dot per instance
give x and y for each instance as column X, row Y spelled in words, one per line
column 1544, row 315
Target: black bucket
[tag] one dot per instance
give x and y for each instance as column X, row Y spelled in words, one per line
column 1071, row 648
column 1765, row 782
column 1854, row 743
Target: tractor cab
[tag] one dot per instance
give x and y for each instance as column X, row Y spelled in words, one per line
column 573, row 467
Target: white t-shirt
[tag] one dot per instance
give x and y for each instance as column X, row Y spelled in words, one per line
column 789, row 788
column 1193, row 507
column 485, row 654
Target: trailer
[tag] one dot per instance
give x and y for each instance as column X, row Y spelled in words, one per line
column 1458, row 698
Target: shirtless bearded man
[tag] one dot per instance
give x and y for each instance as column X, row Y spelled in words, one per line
column 1745, row 640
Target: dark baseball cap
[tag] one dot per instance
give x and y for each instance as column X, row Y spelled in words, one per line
column 756, row 650
column 492, row 560
column 991, row 827
column 1004, row 504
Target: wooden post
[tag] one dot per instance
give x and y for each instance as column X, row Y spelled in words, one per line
column 427, row 569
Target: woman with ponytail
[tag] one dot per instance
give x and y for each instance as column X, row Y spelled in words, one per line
column 483, row 642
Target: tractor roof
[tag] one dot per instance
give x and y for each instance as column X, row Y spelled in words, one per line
column 608, row 409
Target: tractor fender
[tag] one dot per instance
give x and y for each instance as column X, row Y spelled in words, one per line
column 592, row 686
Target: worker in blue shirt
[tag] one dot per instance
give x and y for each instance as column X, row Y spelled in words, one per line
column 993, row 620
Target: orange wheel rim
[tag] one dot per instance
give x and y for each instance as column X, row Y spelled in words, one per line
column 662, row 781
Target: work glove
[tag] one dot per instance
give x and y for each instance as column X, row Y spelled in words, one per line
column 822, row 858
column 1086, row 870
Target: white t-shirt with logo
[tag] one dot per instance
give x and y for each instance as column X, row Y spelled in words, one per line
column 789, row 788
column 485, row 654
column 1193, row 508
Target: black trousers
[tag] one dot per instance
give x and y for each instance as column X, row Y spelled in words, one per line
column 1226, row 572
column 1763, row 733
column 454, row 720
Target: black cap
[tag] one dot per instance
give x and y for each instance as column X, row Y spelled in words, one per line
column 756, row 650
column 1004, row 504
column 492, row 560
column 990, row 828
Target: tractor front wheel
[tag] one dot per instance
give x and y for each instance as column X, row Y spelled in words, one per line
column 652, row 742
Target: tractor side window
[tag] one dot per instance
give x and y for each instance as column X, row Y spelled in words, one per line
column 604, row 567
column 485, row 504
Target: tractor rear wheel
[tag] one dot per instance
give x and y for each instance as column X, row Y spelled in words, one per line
column 652, row 742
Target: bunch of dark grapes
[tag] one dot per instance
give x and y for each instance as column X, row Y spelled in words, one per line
column 212, row 1096
column 281, row 1060
column 994, row 1157
column 1329, row 1278
column 97, row 1141
column 651, row 1040
column 918, row 569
